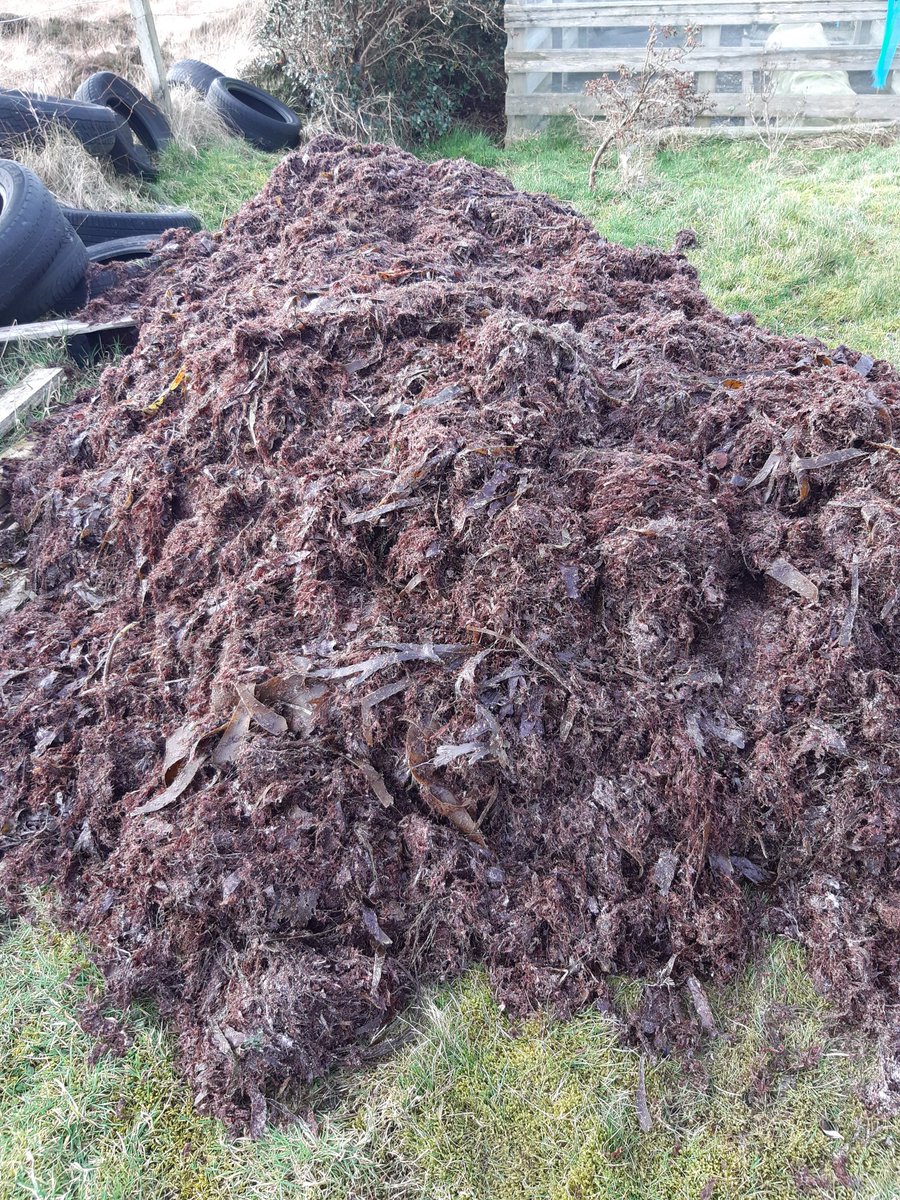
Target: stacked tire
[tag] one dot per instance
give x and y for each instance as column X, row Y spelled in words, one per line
column 95, row 227
column 26, row 115
column 113, row 119
column 142, row 130
column 108, row 115
column 42, row 258
column 46, row 250
column 193, row 74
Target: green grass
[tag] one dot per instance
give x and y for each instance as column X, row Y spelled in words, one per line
column 469, row 1109
column 809, row 241
column 213, row 182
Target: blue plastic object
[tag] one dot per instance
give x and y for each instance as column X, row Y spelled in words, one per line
column 889, row 45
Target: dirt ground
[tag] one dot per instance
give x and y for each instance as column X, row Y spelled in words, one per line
column 437, row 583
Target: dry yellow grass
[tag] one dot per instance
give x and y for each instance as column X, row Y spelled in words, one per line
column 195, row 125
column 225, row 40
column 77, row 179
column 55, row 52
column 82, row 181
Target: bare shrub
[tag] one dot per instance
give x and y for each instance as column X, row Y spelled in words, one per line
column 638, row 101
column 385, row 68
column 771, row 130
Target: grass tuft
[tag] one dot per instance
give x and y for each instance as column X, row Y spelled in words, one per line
column 77, row 178
column 195, row 126
column 215, row 181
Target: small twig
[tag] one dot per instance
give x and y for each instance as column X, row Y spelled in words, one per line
column 502, row 637
column 701, row 1006
column 109, row 653
column 850, row 616
column 643, row 1110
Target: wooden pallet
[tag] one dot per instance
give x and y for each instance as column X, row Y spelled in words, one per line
column 547, row 57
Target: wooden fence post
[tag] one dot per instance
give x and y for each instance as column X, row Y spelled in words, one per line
column 151, row 55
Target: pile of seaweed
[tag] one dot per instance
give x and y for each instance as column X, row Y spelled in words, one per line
column 436, row 583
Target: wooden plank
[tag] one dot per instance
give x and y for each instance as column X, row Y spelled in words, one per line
column 151, row 55
column 710, row 37
column 17, row 403
column 701, row 58
column 42, row 331
column 733, row 133
column 521, row 41
column 847, row 108
column 882, row 107
column 713, row 12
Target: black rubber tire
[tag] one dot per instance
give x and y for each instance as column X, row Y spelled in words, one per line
column 189, row 72
column 127, row 249
column 258, row 117
column 144, row 120
column 95, row 227
column 130, row 158
column 65, row 276
column 123, row 249
column 23, row 114
column 39, row 249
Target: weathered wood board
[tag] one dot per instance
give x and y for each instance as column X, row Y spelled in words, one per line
column 700, row 12
column 18, row 402
column 42, row 331
column 553, row 48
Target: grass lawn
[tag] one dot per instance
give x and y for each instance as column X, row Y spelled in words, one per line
column 215, row 182
column 470, row 1109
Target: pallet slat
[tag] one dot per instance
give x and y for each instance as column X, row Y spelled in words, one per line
column 703, row 12
column 542, row 42
column 702, row 58
column 42, row 331
column 725, row 104
column 17, row 403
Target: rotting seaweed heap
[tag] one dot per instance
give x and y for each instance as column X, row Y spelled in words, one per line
column 436, row 583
